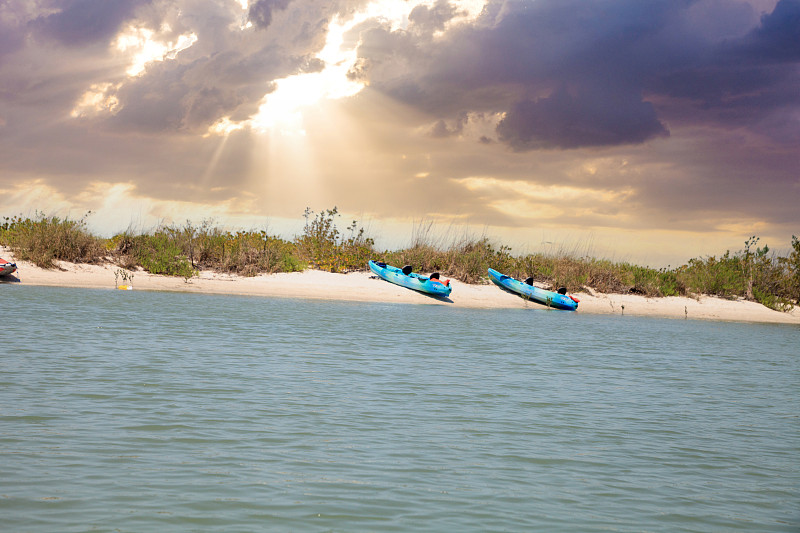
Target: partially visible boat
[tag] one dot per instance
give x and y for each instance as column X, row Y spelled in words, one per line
column 558, row 300
column 7, row 268
column 406, row 278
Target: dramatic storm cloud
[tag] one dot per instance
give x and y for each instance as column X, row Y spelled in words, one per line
column 662, row 128
column 573, row 73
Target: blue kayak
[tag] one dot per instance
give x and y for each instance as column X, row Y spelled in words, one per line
column 411, row 280
column 548, row 298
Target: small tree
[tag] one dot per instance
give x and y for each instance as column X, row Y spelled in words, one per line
column 323, row 245
column 791, row 266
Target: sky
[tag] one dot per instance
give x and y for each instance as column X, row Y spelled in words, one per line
column 650, row 132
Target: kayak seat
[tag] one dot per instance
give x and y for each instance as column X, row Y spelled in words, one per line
column 529, row 281
column 407, row 270
column 562, row 290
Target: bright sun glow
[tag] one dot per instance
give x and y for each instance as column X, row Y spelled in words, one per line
column 146, row 49
column 98, row 99
column 282, row 109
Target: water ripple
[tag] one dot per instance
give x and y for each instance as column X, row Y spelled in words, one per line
column 157, row 411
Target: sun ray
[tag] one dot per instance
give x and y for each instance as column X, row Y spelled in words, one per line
column 212, row 164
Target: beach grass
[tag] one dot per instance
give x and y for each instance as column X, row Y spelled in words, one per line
column 753, row 273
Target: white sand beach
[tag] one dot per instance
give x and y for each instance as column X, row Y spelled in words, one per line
column 365, row 287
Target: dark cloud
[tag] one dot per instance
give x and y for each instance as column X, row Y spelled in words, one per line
column 564, row 120
column 260, row 13
column 777, row 39
column 442, row 129
column 429, row 19
column 568, row 74
column 576, row 73
column 82, row 22
column 750, row 81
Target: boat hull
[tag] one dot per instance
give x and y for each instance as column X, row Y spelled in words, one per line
column 412, row 281
column 541, row 296
column 7, row 268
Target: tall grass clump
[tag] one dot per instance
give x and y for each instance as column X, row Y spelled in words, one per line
column 577, row 273
column 324, row 247
column 246, row 253
column 470, row 259
column 424, row 255
column 43, row 240
column 421, row 257
column 466, row 259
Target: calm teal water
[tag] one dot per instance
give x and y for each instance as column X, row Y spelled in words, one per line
column 136, row 411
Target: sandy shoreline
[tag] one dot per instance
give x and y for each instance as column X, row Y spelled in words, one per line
column 365, row 287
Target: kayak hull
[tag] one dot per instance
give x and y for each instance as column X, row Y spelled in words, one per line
column 529, row 292
column 412, row 281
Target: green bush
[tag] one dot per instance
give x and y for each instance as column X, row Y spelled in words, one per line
column 43, row 240
column 161, row 254
column 751, row 273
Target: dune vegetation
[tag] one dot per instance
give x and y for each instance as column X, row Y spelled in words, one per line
column 753, row 273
